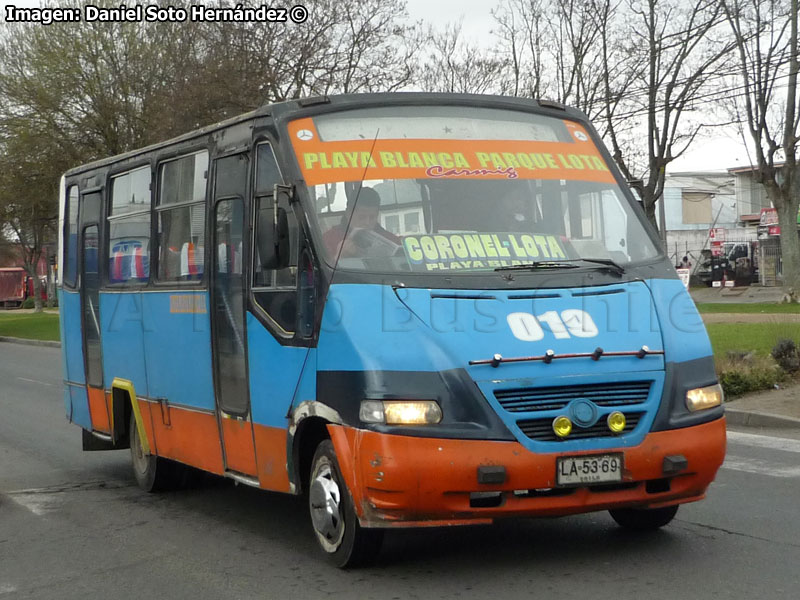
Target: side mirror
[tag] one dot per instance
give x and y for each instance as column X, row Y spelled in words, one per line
column 273, row 229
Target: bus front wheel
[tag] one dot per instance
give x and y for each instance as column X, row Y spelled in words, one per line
column 333, row 515
column 152, row 473
column 644, row 519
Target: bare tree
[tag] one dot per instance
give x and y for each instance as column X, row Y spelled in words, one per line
column 521, row 28
column 766, row 39
column 577, row 53
column 554, row 49
column 674, row 51
column 347, row 46
column 454, row 64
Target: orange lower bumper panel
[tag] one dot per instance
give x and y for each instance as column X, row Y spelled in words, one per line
column 402, row 481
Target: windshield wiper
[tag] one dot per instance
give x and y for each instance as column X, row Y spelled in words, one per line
column 543, row 264
column 554, row 264
column 607, row 262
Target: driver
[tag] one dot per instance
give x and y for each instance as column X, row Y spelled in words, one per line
column 514, row 214
column 367, row 211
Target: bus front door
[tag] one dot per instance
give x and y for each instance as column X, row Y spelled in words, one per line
column 90, row 309
column 229, row 339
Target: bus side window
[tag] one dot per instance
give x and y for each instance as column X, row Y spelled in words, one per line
column 181, row 209
column 70, row 265
column 274, row 290
column 129, row 227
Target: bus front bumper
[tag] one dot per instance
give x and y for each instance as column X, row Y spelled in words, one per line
column 403, row 481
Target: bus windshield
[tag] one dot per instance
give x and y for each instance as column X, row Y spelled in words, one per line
column 432, row 189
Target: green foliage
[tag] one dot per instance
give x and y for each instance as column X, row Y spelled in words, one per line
column 29, row 303
column 769, row 358
column 744, row 373
column 759, row 337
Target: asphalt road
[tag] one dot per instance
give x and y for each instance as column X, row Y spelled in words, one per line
column 74, row 525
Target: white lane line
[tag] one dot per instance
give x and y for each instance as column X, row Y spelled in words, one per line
column 759, row 467
column 764, row 441
column 36, row 381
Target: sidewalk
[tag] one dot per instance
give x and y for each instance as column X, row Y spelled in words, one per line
column 750, row 294
column 773, row 408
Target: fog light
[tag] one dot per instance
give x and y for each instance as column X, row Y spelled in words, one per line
column 400, row 412
column 705, row 397
column 616, row 422
column 562, row 426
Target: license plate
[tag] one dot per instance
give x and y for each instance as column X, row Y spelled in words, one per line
column 576, row 470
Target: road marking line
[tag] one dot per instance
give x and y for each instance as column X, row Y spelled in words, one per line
column 37, row 381
column 764, row 441
column 759, row 467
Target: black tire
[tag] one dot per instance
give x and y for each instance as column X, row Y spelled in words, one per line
column 644, row 519
column 333, row 516
column 153, row 474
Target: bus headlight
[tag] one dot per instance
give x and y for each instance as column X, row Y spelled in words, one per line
column 400, row 412
column 705, row 397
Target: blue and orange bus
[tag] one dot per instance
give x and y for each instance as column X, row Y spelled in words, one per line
column 412, row 309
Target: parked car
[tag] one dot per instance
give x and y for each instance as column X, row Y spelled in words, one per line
column 739, row 263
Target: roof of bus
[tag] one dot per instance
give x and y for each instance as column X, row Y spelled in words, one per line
column 343, row 101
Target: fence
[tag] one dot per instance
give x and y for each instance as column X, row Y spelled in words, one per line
column 770, row 272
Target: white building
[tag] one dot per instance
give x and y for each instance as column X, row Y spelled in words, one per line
column 695, row 203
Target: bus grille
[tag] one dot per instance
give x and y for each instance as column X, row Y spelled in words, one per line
column 541, row 429
column 557, row 397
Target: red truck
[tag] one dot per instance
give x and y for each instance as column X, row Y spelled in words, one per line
column 15, row 286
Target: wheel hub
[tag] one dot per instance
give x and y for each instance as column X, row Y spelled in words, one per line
column 326, row 509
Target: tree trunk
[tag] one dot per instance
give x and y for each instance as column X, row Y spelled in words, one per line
column 51, row 287
column 787, row 209
column 649, row 205
column 37, row 289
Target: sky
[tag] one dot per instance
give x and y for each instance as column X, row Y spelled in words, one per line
column 712, row 150
column 475, row 15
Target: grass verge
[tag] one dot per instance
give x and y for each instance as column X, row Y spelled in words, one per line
column 757, row 370
column 756, row 307
column 749, row 337
column 31, row 326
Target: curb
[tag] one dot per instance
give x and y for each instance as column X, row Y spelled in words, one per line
column 759, row 419
column 14, row 340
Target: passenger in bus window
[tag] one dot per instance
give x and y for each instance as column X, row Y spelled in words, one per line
column 365, row 217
